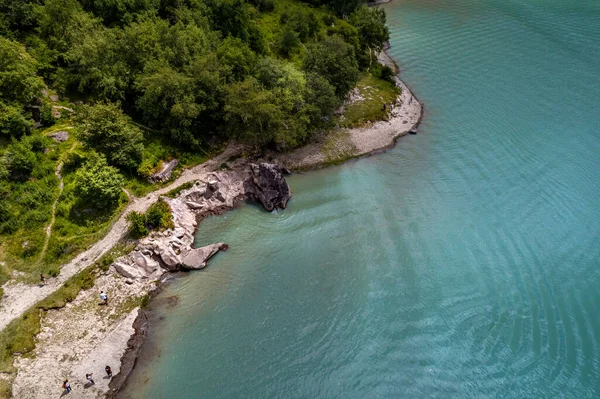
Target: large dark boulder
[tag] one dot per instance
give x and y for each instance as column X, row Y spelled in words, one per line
column 268, row 186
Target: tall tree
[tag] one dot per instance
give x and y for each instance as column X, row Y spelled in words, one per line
column 18, row 80
column 370, row 22
column 106, row 129
column 333, row 59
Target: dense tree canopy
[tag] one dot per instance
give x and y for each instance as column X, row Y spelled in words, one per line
column 262, row 71
column 18, row 80
column 333, row 59
column 106, row 129
column 189, row 74
column 20, row 160
column 19, row 86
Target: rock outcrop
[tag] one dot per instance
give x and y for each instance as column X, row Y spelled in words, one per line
column 268, row 186
column 60, row 136
column 197, row 258
column 165, row 173
column 171, row 250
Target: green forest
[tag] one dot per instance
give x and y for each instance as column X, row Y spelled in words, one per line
column 135, row 83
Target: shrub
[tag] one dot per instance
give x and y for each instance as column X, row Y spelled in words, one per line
column 34, row 218
column 46, row 117
column 175, row 192
column 20, row 160
column 137, row 224
column 29, row 248
column 98, row 184
column 157, row 217
column 37, row 142
column 9, row 226
column 145, row 301
column 73, row 160
column 387, row 73
column 145, row 168
column 13, row 121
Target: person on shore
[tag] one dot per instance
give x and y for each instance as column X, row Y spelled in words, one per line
column 66, row 386
column 108, row 371
column 104, row 297
column 43, row 279
column 89, row 378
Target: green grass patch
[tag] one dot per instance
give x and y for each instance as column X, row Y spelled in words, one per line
column 338, row 147
column 5, row 389
column 68, row 292
column 157, row 150
column 120, row 249
column 175, row 192
column 18, row 337
column 375, row 92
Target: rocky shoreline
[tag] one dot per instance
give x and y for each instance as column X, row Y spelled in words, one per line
column 118, row 331
column 171, row 251
column 299, row 160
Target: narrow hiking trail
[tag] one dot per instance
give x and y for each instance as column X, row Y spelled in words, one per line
column 58, row 172
column 18, row 297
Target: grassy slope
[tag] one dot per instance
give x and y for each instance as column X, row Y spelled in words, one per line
column 76, row 227
column 375, row 92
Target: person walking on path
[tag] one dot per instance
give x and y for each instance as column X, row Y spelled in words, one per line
column 108, row 371
column 104, row 297
column 89, row 378
column 66, row 386
column 43, row 279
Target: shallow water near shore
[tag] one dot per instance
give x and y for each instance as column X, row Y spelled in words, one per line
column 465, row 262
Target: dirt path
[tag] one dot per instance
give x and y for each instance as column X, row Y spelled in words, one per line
column 19, row 297
column 60, row 190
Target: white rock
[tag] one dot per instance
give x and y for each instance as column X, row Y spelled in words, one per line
column 128, row 270
column 194, row 205
column 197, row 258
column 179, row 232
column 170, row 258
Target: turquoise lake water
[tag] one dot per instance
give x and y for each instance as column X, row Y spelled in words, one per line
column 465, row 262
